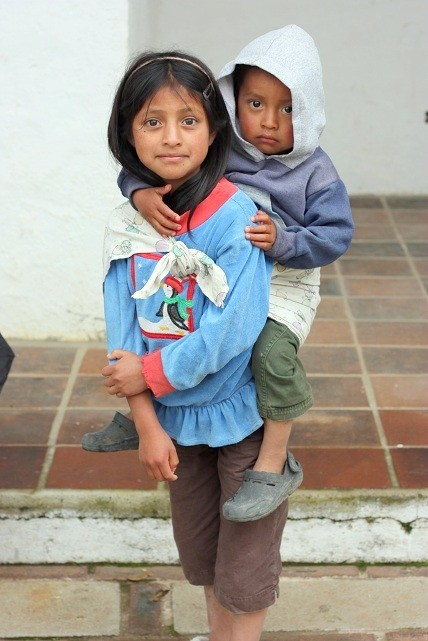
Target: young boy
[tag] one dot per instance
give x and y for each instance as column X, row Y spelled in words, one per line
column 274, row 95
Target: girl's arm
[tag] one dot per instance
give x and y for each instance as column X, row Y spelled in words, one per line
column 149, row 202
column 156, row 450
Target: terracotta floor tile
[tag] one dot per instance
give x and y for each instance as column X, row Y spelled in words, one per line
column 396, row 360
column 421, row 265
column 407, row 202
column 343, row 468
column 410, row 217
column 392, row 333
column 375, row 216
column 331, row 308
column 375, row 249
column 338, row 392
column 42, row 360
column 414, row 232
column 418, row 250
column 394, row 287
column 329, row 331
column 389, row 308
column 20, row 466
column 330, row 360
column 411, row 466
column 74, row 468
column 328, row 270
column 373, row 232
column 77, row 422
column 406, row 427
column 330, row 286
column 32, row 391
column 89, row 391
column 334, row 428
column 400, row 391
column 93, row 361
column 366, row 202
column 375, row 267
column 25, row 426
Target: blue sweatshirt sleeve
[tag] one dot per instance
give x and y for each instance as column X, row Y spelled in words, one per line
column 123, row 330
column 223, row 333
column 128, row 183
column 327, row 233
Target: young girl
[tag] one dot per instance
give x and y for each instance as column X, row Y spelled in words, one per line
column 182, row 316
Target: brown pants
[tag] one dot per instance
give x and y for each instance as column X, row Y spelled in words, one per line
column 241, row 560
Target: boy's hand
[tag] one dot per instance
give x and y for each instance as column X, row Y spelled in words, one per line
column 262, row 235
column 158, row 454
column 149, row 203
column 125, row 377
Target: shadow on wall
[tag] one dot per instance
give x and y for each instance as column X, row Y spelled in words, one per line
column 6, row 358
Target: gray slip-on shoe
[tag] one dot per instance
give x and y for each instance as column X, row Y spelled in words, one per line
column 120, row 434
column 262, row 492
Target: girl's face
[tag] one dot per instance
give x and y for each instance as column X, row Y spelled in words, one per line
column 171, row 135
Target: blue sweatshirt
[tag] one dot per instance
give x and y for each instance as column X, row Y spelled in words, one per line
column 301, row 190
column 196, row 354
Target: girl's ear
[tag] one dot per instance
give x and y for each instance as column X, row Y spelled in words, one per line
column 211, row 139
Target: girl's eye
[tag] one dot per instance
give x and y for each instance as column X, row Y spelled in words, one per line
column 288, row 109
column 151, row 122
column 256, row 104
column 189, row 121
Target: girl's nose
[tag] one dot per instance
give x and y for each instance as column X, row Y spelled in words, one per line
column 269, row 119
column 171, row 135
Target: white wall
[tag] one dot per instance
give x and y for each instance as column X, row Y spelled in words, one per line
column 60, row 62
column 374, row 55
column 59, row 65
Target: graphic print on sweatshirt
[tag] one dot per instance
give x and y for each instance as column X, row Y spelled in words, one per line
column 167, row 313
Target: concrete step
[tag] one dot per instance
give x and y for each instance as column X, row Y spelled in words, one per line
column 317, row 603
column 80, row 526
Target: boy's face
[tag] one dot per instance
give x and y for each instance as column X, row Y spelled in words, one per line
column 265, row 112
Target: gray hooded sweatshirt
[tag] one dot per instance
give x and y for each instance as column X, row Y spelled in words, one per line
column 301, row 189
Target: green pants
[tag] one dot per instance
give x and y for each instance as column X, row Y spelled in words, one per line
column 283, row 391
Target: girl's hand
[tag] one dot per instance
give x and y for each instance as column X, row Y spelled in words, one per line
column 125, row 377
column 262, row 235
column 149, row 203
column 158, row 454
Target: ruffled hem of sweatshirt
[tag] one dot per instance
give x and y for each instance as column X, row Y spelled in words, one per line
column 223, row 423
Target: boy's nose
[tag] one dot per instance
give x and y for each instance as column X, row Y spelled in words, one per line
column 269, row 120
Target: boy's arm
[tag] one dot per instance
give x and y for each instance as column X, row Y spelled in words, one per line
column 326, row 236
column 149, row 202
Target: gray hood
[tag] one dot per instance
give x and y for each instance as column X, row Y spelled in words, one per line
column 289, row 54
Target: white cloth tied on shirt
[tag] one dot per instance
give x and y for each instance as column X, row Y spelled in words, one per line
column 127, row 233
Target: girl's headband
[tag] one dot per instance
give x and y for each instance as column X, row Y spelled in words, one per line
column 206, row 91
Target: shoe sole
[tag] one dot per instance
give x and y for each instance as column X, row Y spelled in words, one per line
column 257, row 517
column 130, row 444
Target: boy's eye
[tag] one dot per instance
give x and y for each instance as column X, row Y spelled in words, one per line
column 288, row 109
column 256, row 104
column 189, row 121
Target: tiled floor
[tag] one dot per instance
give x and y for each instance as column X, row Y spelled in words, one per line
column 366, row 356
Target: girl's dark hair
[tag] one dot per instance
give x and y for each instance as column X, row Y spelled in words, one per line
column 238, row 78
column 145, row 76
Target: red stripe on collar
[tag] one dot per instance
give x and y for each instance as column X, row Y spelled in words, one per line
column 212, row 203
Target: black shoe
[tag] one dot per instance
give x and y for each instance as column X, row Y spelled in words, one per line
column 118, row 435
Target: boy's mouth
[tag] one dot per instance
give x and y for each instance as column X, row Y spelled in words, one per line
column 267, row 139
